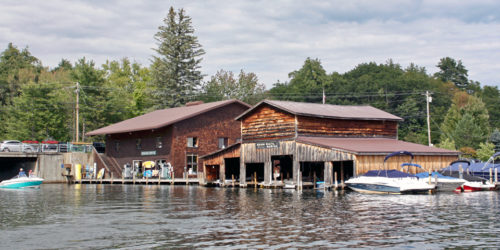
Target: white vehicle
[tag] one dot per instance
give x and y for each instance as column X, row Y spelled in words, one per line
column 15, row 146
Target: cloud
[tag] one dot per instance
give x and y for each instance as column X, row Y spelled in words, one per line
column 269, row 38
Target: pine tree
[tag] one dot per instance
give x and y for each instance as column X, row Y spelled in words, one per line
column 176, row 74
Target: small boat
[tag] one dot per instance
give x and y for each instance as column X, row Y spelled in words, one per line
column 22, row 182
column 442, row 182
column 473, row 183
column 389, row 181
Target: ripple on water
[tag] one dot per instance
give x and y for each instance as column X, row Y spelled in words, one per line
column 116, row 216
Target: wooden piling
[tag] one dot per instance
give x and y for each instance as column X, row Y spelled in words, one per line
column 314, row 180
column 496, row 175
column 491, row 175
column 232, row 178
column 335, row 179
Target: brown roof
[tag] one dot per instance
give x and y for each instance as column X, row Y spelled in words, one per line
column 359, row 112
column 161, row 118
column 370, row 146
column 230, row 147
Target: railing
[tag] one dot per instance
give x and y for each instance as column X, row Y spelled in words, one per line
column 57, row 148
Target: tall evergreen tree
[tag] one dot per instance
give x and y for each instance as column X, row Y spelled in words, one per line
column 452, row 71
column 176, row 68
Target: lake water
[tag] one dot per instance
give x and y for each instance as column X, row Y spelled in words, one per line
column 137, row 217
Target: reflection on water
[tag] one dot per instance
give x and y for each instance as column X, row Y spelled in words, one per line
column 127, row 216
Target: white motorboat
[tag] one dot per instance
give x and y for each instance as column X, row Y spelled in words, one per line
column 389, row 181
column 22, row 182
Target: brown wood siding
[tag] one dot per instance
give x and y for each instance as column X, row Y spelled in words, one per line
column 364, row 163
column 314, row 126
column 218, row 159
column 207, row 128
column 268, row 123
column 303, row 152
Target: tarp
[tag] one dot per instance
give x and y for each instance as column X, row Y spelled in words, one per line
column 434, row 175
column 388, row 173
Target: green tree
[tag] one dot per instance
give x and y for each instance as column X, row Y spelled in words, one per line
column 176, row 70
column 14, row 62
column 128, row 84
column 448, row 144
column 39, row 113
column 491, row 98
column 452, row 71
column 485, row 151
column 95, row 109
column 306, row 84
column 495, row 139
column 224, row 85
column 466, row 121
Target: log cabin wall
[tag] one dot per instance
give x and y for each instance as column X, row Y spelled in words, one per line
column 365, row 163
column 314, row 126
column 207, row 128
column 267, row 123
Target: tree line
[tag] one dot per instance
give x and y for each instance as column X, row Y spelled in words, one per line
column 39, row 103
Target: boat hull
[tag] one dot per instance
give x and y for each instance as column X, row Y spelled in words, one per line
column 373, row 188
column 478, row 186
column 385, row 185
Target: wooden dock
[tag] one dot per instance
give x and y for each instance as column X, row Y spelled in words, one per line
column 149, row 181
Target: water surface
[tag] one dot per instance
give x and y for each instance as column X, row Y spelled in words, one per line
column 131, row 217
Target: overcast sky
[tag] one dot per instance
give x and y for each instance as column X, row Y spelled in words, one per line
column 269, row 38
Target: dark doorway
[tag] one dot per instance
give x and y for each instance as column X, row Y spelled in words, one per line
column 212, row 172
column 312, row 170
column 9, row 167
column 232, row 168
column 282, row 167
column 344, row 170
column 252, row 169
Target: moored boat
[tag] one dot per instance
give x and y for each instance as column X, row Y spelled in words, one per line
column 473, row 182
column 22, row 182
column 389, row 181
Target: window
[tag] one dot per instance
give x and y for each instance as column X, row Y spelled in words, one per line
column 138, row 144
column 159, row 143
column 192, row 142
column 192, row 163
column 222, row 142
column 117, row 146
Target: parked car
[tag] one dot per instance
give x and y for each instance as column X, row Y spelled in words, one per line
column 15, row 146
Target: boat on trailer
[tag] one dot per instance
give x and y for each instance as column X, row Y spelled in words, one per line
column 389, row 181
column 22, row 182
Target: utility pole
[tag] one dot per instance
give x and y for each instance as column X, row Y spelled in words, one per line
column 77, row 110
column 428, row 99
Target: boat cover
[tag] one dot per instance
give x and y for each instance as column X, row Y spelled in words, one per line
column 434, row 174
column 388, row 173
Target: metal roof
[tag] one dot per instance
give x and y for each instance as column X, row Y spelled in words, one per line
column 354, row 112
column 370, row 146
column 161, row 118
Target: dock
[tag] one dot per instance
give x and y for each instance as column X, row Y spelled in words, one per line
column 152, row 181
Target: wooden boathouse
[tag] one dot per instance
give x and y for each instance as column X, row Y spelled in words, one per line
column 287, row 143
column 176, row 135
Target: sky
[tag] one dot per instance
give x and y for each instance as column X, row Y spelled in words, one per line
column 268, row 38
